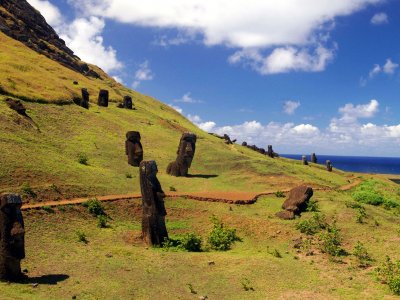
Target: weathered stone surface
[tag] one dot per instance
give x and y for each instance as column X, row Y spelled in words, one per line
column 17, row 106
column 296, row 202
column 85, row 99
column 270, row 151
column 128, row 104
column 329, row 166
column 19, row 20
column 154, row 231
column 12, row 237
column 314, row 158
column 186, row 150
column 133, row 148
column 103, row 98
column 304, row 160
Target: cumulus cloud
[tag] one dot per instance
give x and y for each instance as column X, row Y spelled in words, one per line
column 144, row 73
column 380, row 18
column 389, row 68
column 351, row 112
column 187, row 98
column 289, row 107
column 50, row 12
column 177, row 108
column 294, row 33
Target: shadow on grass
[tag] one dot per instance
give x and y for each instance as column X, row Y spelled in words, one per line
column 51, row 279
column 201, row 176
column 395, row 180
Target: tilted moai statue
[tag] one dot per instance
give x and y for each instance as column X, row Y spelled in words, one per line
column 12, row 237
column 103, row 98
column 186, row 149
column 314, row 158
column 304, row 160
column 133, row 148
column 329, row 166
column 270, row 152
column 85, row 99
column 154, row 231
column 128, row 102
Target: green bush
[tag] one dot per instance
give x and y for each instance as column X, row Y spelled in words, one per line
column 279, row 194
column 368, row 197
column 312, row 206
column 389, row 273
column 389, row 204
column 330, row 241
column 221, row 238
column 94, row 207
column 128, row 175
column 313, row 225
column 362, row 255
column 360, row 214
column 48, row 209
column 190, row 242
column 82, row 237
column 83, row 159
column 102, row 221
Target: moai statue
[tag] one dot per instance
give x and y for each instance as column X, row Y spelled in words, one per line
column 12, row 237
column 154, row 231
column 270, row 152
column 296, row 202
column 85, row 98
column 304, row 160
column 133, row 148
column 128, row 102
column 186, row 149
column 314, row 158
column 244, row 144
column 103, row 98
column 329, row 166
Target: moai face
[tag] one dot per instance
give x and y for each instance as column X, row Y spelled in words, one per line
column 103, row 98
column 187, row 147
column 134, row 148
column 128, row 102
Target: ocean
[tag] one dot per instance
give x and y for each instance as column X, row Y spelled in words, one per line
column 362, row 164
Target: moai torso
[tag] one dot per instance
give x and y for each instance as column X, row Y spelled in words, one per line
column 85, row 98
column 12, row 237
column 314, row 158
column 103, row 98
column 270, row 152
column 133, row 148
column 329, row 166
column 128, row 102
column 304, row 160
column 154, row 231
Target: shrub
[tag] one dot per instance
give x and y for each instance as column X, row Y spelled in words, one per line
column 360, row 214
column 361, row 253
column 312, row 206
column 48, row 209
column 330, row 241
column 94, row 207
column 83, row 159
column 82, row 237
column 389, row 273
column 54, row 188
column 190, row 242
column 172, row 189
column 313, row 225
column 276, row 254
column 368, row 197
column 128, row 175
column 27, row 190
column 389, row 204
column 247, row 285
column 221, row 238
column 102, row 221
column 279, row 194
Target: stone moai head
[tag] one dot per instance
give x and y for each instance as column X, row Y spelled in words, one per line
column 270, row 152
column 329, row 166
column 186, row 149
column 85, row 98
column 154, row 231
column 12, row 237
column 244, row 144
column 133, row 148
column 128, row 102
column 314, row 158
column 103, row 98
column 304, row 160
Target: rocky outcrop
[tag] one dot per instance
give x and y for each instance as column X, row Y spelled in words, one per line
column 19, row 20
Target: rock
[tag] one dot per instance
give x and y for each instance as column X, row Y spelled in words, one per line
column 296, row 202
column 314, row 158
column 154, row 231
column 329, row 166
column 128, row 104
column 17, row 106
column 103, row 98
column 304, row 160
column 12, row 237
column 133, row 148
column 186, row 150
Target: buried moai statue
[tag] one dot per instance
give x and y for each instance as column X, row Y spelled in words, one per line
column 85, row 99
column 270, row 152
column 133, row 148
column 12, row 237
column 186, row 150
column 154, row 231
column 296, row 202
column 103, row 98
column 329, row 166
column 314, row 158
column 128, row 104
column 304, row 160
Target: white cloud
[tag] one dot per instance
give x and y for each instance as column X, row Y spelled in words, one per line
column 144, row 73
column 118, row 79
column 390, row 67
column 187, row 98
column 177, row 108
column 295, row 33
column 289, row 107
column 380, row 18
column 50, row 12
column 375, row 70
column 351, row 112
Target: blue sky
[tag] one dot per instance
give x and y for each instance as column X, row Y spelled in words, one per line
column 305, row 76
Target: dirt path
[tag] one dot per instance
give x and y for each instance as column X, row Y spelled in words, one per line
column 241, row 198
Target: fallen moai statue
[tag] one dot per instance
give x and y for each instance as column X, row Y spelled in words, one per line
column 154, row 231
column 268, row 152
column 133, row 148
column 329, row 166
column 296, row 202
column 103, row 98
column 12, row 237
column 17, row 106
column 186, row 150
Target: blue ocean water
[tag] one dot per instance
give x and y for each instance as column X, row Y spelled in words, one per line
column 362, row 164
